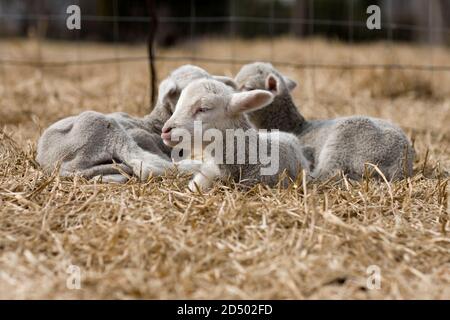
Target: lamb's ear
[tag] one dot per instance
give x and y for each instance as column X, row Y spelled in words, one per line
column 167, row 91
column 291, row 84
column 272, row 84
column 249, row 101
column 226, row 80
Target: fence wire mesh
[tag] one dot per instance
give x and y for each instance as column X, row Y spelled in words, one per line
column 232, row 18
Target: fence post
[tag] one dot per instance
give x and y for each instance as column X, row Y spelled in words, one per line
column 153, row 25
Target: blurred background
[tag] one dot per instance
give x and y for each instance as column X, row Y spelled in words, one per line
column 180, row 21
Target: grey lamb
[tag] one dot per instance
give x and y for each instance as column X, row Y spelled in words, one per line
column 110, row 145
column 219, row 110
column 343, row 144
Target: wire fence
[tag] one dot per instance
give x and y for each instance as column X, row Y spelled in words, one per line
column 306, row 65
column 232, row 19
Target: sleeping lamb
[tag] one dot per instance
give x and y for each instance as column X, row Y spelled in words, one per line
column 343, row 144
column 94, row 144
column 219, row 111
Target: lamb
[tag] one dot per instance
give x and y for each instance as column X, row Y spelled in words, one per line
column 219, row 110
column 343, row 144
column 116, row 145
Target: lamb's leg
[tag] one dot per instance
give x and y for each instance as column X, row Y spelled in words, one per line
column 144, row 163
column 81, row 143
column 323, row 174
column 106, row 139
column 326, row 166
column 107, row 169
column 112, row 178
column 99, row 138
column 204, row 179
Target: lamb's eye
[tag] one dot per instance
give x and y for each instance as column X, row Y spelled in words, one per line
column 248, row 88
column 201, row 110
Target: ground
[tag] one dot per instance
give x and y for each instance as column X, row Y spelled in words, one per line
column 158, row 240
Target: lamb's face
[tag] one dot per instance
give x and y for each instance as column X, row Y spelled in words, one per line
column 263, row 76
column 209, row 104
column 205, row 101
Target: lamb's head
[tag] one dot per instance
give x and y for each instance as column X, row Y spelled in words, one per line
column 171, row 87
column 261, row 75
column 214, row 105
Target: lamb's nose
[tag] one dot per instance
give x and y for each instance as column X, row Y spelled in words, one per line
column 165, row 133
column 166, row 129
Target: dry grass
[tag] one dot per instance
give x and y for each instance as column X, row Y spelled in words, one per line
column 156, row 240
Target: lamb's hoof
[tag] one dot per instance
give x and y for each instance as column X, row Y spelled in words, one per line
column 192, row 186
column 111, row 178
column 196, row 186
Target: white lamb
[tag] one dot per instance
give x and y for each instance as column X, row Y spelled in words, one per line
column 218, row 107
column 342, row 144
column 94, row 144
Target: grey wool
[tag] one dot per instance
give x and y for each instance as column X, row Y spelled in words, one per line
column 343, row 144
column 117, row 145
